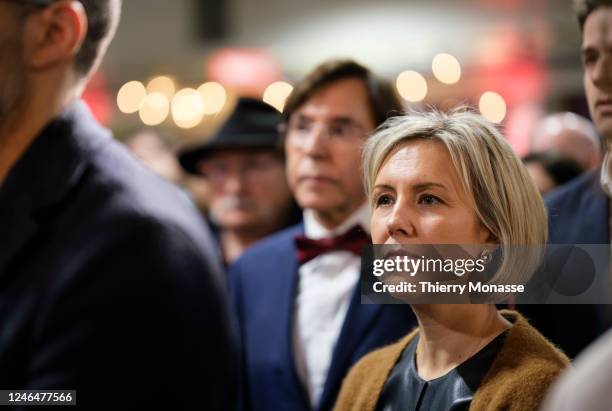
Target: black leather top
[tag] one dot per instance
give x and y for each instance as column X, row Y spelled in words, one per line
column 405, row 390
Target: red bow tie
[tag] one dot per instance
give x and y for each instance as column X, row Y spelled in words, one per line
column 353, row 240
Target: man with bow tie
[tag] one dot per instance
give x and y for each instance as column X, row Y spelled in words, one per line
column 296, row 294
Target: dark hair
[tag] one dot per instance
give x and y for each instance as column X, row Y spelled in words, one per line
column 584, row 8
column 382, row 98
column 102, row 21
column 560, row 168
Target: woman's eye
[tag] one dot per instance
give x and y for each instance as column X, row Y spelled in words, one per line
column 383, row 200
column 428, row 199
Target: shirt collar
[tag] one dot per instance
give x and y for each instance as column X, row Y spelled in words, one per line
column 606, row 174
column 313, row 229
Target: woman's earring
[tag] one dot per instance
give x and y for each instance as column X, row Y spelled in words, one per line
column 486, row 256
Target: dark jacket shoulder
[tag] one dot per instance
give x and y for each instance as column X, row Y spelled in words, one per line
column 109, row 278
column 269, row 251
column 569, row 196
column 578, row 212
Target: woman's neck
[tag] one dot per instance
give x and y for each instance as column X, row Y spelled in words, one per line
column 450, row 334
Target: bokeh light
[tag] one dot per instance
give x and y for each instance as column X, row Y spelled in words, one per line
column 187, row 108
column 446, row 68
column 492, row 106
column 154, row 109
column 130, row 96
column 162, row 84
column 276, row 94
column 213, row 97
column 411, row 85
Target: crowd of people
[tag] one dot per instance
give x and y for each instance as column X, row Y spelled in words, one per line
column 226, row 276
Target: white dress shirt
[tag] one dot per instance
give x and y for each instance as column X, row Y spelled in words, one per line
column 606, row 174
column 325, row 287
column 605, row 179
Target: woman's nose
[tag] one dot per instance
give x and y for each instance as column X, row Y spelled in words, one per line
column 399, row 224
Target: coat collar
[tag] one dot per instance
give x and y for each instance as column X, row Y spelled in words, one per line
column 595, row 204
column 43, row 177
column 525, row 352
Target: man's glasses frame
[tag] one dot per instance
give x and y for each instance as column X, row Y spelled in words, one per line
column 343, row 131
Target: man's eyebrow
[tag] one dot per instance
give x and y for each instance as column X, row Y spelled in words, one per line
column 302, row 116
column 342, row 119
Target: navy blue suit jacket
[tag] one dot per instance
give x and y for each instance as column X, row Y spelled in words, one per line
column 578, row 213
column 108, row 280
column 263, row 288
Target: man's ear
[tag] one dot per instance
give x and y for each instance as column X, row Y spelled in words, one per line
column 54, row 35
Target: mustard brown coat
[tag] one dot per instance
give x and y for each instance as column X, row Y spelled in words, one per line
column 518, row 379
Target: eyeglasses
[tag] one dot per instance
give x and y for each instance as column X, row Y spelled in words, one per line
column 299, row 130
column 217, row 172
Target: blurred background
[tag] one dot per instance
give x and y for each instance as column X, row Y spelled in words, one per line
column 179, row 65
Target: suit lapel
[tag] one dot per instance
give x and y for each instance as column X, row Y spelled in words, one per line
column 287, row 267
column 596, row 204
column 358, row 320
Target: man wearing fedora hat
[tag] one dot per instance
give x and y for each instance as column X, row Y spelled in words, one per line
column 244, row 166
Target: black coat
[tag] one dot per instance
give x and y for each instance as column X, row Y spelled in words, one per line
column 109, row 282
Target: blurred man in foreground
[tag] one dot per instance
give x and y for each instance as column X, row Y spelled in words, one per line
column 296, row 293
column 244, row 166
column 108, row 284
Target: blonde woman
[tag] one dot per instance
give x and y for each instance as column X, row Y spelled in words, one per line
column 451, row 178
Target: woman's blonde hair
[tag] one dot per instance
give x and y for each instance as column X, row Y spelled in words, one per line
column 506, row 200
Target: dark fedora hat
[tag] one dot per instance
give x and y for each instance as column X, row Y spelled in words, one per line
column 253, row 124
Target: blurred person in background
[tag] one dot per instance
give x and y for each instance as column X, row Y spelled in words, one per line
column 108, row 284
column 155, row 152
column 571, row 135
column 579, row 212
column 586, row 385
column 428, row 178
column 551, row 169
column 296, row 293
column 244, row 166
